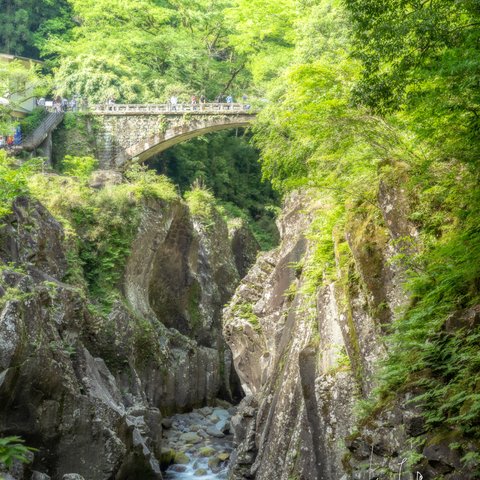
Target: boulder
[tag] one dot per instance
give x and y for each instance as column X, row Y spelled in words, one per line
column 442, row 458
column 105, row 178
column 214, row 432
column 39, row 476
column 181, row 458
column 206, row 452
column 190, row 437
column 167, row 423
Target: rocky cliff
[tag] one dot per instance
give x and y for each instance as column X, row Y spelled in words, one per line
column 88, row 388
column 306, row 356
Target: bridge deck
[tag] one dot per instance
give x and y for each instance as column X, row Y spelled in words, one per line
column 167, row 109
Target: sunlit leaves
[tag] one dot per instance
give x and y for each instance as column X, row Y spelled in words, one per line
column 145, row 50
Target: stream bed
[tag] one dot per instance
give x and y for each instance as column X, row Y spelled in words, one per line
column 197, row 445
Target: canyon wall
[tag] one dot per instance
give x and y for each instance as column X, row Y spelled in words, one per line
column 306, row 356
column 88, row 387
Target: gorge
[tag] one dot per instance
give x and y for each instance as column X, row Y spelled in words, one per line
column 294, row 297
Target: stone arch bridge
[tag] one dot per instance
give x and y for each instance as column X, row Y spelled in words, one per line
column 141, row 131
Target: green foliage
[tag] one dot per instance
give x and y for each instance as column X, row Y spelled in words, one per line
column 81, row 167
column 373, row 93
column 19, row 81
column 23, row 23
column 11, row 449
column 245, row 311
column 359, row 95
column 100, row 225
column 146, row 183
column 12, row 294
column 18, row 77
column 144, row 50
column 471, row 459
column 422, row 58
column 441, row 360
column 264, row 30
column 77, row 133
column 227, row 164
column 13, row 180
column 322, row 266
column 106, row 227
column 201, row 203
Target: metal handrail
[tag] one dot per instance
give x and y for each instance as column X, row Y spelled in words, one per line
column 50, row 122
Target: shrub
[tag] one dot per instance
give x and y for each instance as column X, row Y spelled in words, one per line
column 146, row 183
column 81, row 167
column 201, row 203
column 13, row 180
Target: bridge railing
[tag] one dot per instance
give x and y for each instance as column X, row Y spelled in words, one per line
column 122, row 109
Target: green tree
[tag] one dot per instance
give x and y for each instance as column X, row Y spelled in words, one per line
column 13, row 180
column 227, row 164
column 424, row 58
column 80, row 167
column 264, row 31
column 18, row 82
column 144, row 51
column 25, row 22
column 386, row 93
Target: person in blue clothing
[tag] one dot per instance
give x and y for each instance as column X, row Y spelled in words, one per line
column 17, row 137
column 229, row 101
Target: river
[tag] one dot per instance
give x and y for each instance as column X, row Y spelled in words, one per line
column 198, row 445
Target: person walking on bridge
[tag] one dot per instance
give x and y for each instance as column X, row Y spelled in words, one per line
column 246, row 106
column 229, row 101
column 173, row 103
column 57, row 104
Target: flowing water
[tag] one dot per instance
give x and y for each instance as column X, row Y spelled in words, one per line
column 198, row 445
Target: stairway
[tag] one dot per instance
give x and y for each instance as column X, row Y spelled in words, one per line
column 38, row 136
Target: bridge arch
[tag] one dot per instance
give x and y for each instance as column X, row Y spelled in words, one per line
column 159, row 142
column 141, row 131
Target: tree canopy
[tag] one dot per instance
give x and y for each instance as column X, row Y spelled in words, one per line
column 144, row 51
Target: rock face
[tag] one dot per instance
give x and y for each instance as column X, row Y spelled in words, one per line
column 178, row 277
column 88, row 391
column 305, row 355
column 290, row 351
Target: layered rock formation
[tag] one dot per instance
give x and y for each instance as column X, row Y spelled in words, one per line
column 305, row 356
column 88, row 389
column 291, row 355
